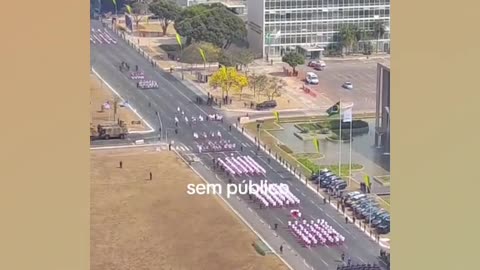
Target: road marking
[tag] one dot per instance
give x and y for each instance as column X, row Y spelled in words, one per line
column 280, row 220
column 250, row 209
column 128, row 105
column 323, row 261
column 243, row 219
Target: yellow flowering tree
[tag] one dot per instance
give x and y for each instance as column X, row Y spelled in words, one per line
column 228, row 79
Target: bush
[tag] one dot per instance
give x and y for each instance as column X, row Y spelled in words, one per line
column 345, row 125
column 309, row 164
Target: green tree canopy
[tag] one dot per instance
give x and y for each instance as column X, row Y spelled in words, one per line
column 210, row 23
column 167, row 11
column 293, row 59
column 191, row 54
column 139, row 10
column 236, row 56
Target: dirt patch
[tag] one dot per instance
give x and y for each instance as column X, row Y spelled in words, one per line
column 141, row 224
column 100, row 94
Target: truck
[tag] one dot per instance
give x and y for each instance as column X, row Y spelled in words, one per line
column 108, row 131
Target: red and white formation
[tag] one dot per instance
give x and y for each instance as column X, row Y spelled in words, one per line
column 101, row 37
column 315, row 233
column 275, row 196
column 241, row 165
column 147, row 84
column 216, row 146
column 137, row 76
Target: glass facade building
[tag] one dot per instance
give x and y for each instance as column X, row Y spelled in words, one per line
column 312, row 23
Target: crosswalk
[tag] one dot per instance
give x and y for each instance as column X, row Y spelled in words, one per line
column 99, row 36
column 183, row 148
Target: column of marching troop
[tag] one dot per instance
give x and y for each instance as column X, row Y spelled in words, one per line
column 276, row 196
column 241, row 165
column 315, row 233
column 212, row 142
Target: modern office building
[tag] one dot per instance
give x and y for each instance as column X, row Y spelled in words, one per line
column 279, row 26
column 382, row 122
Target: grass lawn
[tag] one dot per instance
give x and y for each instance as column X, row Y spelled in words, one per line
column 139, row 224
column 344, row 169
column 309, row 155
column 384, row 202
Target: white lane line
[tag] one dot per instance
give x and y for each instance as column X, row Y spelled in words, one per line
column 280, row 221
column 323, row 261
column 242, row 218
column 250, row 209
column 128, row 105
column 303, row 194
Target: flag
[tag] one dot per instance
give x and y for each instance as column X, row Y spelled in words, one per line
column 348, row 115
column 335, row 109
column 316, row 144
column 277, row 116
column 277, row 35
column 114, row 2
column 179, row 39
column 202, row 53
column 129, row 9
column 367, row 181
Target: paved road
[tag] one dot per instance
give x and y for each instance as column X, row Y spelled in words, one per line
column 173, row 94
column 363, row 75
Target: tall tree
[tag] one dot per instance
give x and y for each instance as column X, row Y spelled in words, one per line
column 228, row 79
column 257, row 82
column 274, row 87
column 293, row 59
column 210, row 23
column 167, row 12
column 139, row 11
column 192, row 55
column 379, row 30
column 234, row 56
column 347, row 37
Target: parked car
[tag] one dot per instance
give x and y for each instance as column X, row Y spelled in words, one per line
column 364, row 204
column 368, row 211
column 383, row 228
column 351, row 194
column 326, row 183
column 380, row 219
column 375, row 214
column 311, row 78
column 341, row 186
column 348, row 85
column 320, row 65
column 312, row 63
column 354, row 199
column 269, row 104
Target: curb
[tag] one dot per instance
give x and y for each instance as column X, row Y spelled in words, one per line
column 128, row 105
column 237, row 214
column 315, row 191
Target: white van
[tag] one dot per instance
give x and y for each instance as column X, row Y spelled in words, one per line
column 311, row 78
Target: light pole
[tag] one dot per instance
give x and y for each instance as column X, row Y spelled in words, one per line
column 161, row 124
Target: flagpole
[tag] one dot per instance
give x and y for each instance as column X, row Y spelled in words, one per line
column 340, row 141
column 351, row 140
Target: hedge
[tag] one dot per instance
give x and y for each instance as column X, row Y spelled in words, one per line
column 334, row 124
column 285, row 148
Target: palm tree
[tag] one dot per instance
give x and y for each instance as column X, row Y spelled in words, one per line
column 379, row 30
